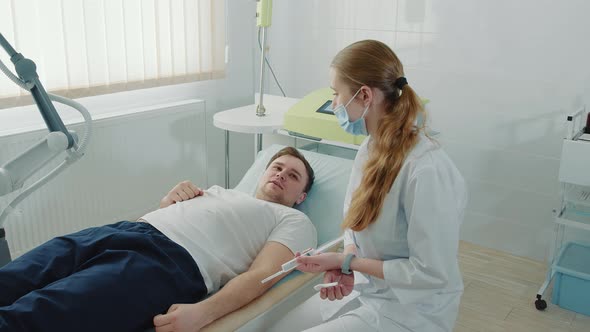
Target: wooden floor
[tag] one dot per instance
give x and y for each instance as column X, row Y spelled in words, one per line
column 499, row 295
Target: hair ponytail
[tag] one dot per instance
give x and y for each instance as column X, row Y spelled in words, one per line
column 396, row 134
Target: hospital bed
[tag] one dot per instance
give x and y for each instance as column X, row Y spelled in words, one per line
column 324, row 207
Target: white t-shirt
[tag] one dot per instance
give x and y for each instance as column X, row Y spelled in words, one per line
column 224, row 230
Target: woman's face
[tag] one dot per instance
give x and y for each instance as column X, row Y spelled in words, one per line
column 343, row 94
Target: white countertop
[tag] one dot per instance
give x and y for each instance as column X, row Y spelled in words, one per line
column 244, row 119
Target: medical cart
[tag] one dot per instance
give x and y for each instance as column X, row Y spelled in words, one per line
column 570, row 262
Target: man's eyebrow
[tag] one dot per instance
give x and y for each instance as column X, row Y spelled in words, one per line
column 296, row 171
column 283, row 165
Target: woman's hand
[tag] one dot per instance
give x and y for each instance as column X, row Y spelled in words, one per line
column 319, row 263
column 344, row 287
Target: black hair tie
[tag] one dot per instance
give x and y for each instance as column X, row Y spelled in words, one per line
column 400, row 82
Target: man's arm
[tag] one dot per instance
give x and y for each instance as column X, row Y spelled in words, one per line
column 238, row 292
column 246, row 287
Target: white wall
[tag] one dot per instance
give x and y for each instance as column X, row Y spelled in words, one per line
column 501, row 75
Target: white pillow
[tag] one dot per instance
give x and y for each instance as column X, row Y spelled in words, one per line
column 325, row 199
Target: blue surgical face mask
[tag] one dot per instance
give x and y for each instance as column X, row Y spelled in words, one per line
column 357, row 127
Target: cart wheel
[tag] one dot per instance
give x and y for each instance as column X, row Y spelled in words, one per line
column 540, row 304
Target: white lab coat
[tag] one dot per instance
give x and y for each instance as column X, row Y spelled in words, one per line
column 417, row 237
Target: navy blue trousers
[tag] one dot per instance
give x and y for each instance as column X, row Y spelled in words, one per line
column 111, row 278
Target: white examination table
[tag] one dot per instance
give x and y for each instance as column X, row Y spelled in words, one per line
column 324, row 207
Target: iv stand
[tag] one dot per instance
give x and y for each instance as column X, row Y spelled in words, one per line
column 260, row 110
column 263, row 19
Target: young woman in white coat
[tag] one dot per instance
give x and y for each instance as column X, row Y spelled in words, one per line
column 403, row 209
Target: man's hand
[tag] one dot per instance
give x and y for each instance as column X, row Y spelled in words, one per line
column 181, row 318
column 344, row 287
column 181, row 192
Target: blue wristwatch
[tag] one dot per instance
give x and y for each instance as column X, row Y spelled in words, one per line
column 346, row 264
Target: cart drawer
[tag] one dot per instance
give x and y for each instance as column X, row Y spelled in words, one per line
column 571, row 289
column 575, row 162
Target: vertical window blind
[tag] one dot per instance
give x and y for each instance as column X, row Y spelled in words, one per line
column 91, row 47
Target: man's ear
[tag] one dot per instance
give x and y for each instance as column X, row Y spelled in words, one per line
column 301, row 198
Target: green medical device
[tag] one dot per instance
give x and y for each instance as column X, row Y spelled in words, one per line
column 311, row 118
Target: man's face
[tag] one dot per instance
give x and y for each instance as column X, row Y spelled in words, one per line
column 283, row 181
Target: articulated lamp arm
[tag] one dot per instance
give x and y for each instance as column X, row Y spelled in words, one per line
column 27, row 71
column 16, row 171
column 20, row 168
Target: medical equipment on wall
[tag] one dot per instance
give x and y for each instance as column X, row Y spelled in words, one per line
column 292, row 264
column 17, row 170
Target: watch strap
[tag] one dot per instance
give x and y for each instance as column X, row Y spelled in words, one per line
column 345, row 268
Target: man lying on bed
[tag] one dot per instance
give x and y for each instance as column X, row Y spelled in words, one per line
column 130, row 276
